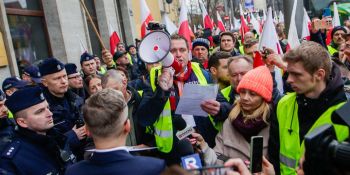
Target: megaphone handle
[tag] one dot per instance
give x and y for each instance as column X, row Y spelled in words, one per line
column 156, row 77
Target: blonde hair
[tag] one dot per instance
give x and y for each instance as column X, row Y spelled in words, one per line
column 263, row 110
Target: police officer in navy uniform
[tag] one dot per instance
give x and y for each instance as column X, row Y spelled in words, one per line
column 64, row 104
column 75, row 81
column 12, row 84
column 7, row 124
column 36, row 147
column 106, row 117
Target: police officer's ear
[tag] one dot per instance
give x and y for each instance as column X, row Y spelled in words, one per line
column 320, row 75
column 44, row 81
column 22, row 122
column 10, row 91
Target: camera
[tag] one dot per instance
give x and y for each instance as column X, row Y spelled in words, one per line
column 324, row 153
column 79, row 123
column 155, row 26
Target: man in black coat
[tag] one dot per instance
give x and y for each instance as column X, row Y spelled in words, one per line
column 106, row 117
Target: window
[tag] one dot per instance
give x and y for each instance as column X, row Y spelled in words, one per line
column 28, row 31
column 95, row 44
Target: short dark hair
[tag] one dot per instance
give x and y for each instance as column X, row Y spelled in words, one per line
column 103, row 113
column 228, row 34
column 179, row 37
column 312, row 55
column 215, row 57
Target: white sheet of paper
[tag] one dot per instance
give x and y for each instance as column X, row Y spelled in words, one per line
column 192, row 97
column 189, row 120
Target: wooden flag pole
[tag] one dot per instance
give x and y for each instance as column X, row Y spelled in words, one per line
column 93, row 24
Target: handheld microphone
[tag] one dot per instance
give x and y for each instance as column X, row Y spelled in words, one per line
column 179, row 123
column 184, row 148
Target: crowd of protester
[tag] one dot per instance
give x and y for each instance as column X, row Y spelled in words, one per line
column 57, row 119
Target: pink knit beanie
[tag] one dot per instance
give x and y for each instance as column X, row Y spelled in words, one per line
column 258, row 80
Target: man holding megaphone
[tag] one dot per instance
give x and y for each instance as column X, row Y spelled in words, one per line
column 157, row 108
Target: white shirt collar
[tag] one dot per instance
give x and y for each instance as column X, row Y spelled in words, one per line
column 110, row 150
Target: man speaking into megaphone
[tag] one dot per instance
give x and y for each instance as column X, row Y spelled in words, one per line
column 157, row 108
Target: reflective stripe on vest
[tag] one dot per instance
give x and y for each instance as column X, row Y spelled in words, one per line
column 226, row 93
column 331, row 50
column 163, row 128
column 290, row 148
column 129, row 58
column 10, row 115
column 241, row 50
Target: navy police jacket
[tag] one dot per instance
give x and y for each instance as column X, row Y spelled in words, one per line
column 31, row 153
column 117, row 162
column 66, row 111
column 7, row 129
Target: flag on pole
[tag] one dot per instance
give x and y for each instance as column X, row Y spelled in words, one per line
column 170, row 26
column 236, row 24
column 184, row 29
column 264, row 17
column 221, row 25
column 270, row 40
column 305, row 33
column 336, row 20
column 113, row 39
column 244, row 27
column 256, row 24
column 280, row 17
column 146, row 17
column 83, row 49
column 293, row 40
column 207, row 22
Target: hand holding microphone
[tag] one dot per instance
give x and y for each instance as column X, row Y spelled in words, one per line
column 198, row 141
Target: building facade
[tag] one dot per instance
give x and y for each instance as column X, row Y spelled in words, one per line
column 32, row 30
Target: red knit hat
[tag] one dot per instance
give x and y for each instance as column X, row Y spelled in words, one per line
column 258, row 80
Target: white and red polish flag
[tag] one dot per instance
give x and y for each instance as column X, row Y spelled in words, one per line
column 256, row 24
column 221, row 25
column 270, row 40
column 83, row 49
column 113, row 39
column 244, row 26
column 293, row 39
column 207, row 22
column 305, row 33
column 184, row 29
column 146, row 17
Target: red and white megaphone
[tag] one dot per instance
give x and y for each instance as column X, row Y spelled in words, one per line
column 155, row 47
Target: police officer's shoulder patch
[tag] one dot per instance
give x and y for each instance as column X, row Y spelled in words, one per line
column 11, row 149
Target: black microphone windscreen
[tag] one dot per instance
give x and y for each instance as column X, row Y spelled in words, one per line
column 184, row 148
column 179, row 123
column 342, row 115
